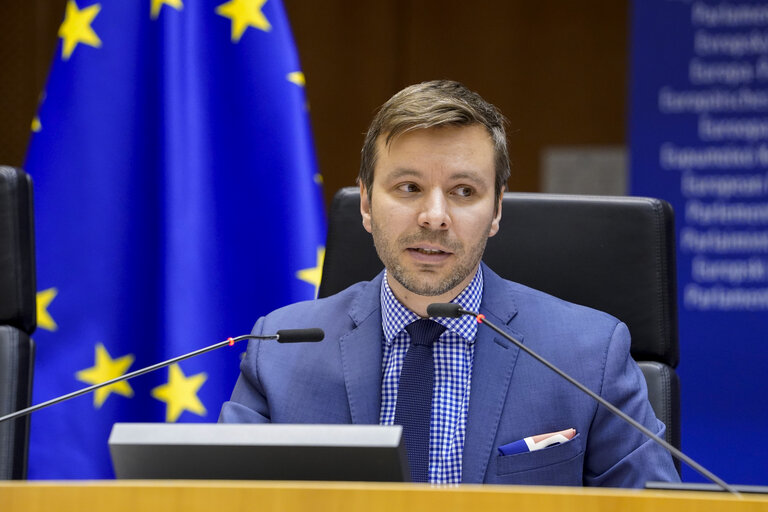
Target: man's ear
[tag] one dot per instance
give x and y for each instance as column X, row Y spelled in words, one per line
column 365, row 208
column 497, row 218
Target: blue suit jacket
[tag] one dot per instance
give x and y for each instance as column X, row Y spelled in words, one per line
column 512, row 396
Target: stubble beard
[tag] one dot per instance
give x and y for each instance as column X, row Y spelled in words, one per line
column 417, row 280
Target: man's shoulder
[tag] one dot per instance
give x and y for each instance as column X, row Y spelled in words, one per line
column 352, row 301
column 538, row 297
column 529, row 305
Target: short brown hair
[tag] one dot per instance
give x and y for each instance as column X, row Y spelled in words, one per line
column 432, row 104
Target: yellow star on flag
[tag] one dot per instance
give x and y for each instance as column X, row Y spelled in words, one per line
column 244, row 14
column 312, row 275
column 297, row 77
column 105, row 368
column 44, row 319
column 158, row 4
column 180, row 393
column 36, row 124
column 76, row 28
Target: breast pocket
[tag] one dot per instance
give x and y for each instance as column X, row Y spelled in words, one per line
column 557, row 465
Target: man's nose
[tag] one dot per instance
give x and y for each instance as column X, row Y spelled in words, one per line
column 434, row 211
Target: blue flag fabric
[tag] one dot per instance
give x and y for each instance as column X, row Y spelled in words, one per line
column 177, row 199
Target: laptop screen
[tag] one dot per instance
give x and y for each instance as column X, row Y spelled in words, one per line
column 371, row 453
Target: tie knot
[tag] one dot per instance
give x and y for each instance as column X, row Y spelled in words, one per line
column 424, row 332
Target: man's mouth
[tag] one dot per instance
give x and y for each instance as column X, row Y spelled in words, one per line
column 429, row 254
column 428, row 251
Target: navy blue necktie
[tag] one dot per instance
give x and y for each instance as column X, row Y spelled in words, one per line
column 414, row 395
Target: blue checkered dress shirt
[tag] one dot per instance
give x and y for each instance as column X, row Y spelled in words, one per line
column 453, row 352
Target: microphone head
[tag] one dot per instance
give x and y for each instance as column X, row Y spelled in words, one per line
column 445, row 310
column 300, row 335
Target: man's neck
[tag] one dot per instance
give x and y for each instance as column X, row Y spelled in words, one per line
column 418, row 303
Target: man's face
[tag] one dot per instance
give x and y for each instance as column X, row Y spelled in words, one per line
column 432, row 208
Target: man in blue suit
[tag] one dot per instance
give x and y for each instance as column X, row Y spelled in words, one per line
column 434, row 167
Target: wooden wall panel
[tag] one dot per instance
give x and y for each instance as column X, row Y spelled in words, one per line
column 27, row 40
column 556, row 68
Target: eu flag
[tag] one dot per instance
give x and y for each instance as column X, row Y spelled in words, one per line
column 177, row 199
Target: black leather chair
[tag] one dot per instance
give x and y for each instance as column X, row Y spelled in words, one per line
column 17, row 317
column 615, row 254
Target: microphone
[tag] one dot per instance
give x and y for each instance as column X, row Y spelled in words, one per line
column 448, row 310
column 300, row 335
column 445, row 310
column 282, row 336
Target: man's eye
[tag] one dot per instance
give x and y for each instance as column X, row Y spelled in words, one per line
column 464, row 191
column 408, row 187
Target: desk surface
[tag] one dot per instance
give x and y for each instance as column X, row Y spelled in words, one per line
column 230, row 496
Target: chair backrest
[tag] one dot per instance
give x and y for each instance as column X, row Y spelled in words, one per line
column 615, row 254
column 17, row 316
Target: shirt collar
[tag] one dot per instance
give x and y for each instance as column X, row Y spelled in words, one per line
column 395, row 316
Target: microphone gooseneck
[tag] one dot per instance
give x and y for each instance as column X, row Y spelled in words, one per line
column 454, row 311
column 283, row 336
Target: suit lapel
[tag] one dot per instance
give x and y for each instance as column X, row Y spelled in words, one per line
column 492, row 369
column 361, row 356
